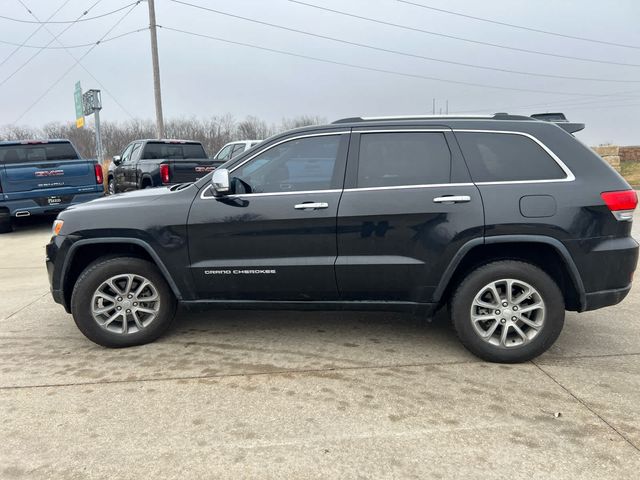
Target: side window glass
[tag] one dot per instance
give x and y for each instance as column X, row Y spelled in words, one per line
column 237, row 150
column 127, row 153
column 297, row 165
column 135, row 152
column 505, row 157
column 224, row 153
column 403, row 158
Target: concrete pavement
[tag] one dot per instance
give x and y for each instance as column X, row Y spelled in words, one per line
column 306, row 395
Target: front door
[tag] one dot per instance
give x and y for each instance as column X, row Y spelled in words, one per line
column 407, row 208
column 120, row 171
column 274, row 236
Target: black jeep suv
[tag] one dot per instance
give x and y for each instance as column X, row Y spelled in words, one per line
column 507, row 220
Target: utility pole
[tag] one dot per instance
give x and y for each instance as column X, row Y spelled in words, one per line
column 92, row 103
column 447, row 106
column 156, row 69
column 433, row 106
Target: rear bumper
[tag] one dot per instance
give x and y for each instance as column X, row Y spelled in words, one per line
column 606, row 298
column 606, row 267
column 30, row 206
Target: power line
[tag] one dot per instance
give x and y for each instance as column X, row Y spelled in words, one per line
column 374, row 69
column 41, row 50
column 19, row 46
column 50, row 22
column 80, row 45
column 521, row 27
column 463, row 39
column 77, row 61
column 405, row 54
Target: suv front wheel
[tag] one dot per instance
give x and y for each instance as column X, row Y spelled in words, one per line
column 508, row 311
column 121, row 302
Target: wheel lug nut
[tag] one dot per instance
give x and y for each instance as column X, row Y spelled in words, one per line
column 135, row 304
column 497, row 312
column 514, row 318
column 502, row 320
column 119, row 308
column 128, row 311
column 129, row 296
column 515, row 308
column 504, row 304
column 119, row 299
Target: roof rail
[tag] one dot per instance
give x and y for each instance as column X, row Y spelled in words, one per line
column 495, row 116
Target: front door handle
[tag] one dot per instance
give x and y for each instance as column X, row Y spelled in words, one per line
column 311, row 206
column 452, row 199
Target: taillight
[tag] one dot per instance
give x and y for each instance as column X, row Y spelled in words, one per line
column 164, row 173
column 99, row 175
column 622, row 203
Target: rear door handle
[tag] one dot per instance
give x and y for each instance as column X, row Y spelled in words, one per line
column 452, row 199
column 311, row 206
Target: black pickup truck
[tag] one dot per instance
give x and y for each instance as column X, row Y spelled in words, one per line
column 153, row 163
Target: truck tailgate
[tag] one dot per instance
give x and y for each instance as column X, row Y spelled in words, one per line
column 191, row 169
column 25, row 177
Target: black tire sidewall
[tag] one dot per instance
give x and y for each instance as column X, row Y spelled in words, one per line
column 541, row 281
column 98, row 272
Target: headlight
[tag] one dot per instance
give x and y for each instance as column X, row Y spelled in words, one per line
column 57, row 226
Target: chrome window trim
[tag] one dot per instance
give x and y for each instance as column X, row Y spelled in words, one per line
column 406, row 187
column 266, row 194
column 570, row 177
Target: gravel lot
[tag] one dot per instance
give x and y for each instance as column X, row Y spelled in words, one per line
column 306, row 395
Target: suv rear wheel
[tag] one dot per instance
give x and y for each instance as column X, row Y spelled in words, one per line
column 508, row 311
column 121, row 302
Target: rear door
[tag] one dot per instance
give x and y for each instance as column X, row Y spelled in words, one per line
column 407, row 208
column 33, row 166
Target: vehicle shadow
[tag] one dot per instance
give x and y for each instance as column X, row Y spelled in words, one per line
column 34, row 224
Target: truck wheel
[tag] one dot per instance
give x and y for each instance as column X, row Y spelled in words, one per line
column 508, row 311
column 111, row 187
column 121, row 302
column 5, row 222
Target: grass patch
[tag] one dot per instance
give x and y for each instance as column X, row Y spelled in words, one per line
column 631, row 172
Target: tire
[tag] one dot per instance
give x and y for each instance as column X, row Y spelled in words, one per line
column 6, row 226
column 545, row 312
column 111, row 188
column 145, row 327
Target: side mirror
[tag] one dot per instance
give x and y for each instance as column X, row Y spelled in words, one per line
column 117, row 159
column 220, row 182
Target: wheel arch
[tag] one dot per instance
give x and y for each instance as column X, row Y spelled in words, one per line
column 84, row 252
column 144, row 180
column 547, row 253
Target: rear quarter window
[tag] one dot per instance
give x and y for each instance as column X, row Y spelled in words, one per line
column 38, row 152
column 507, row 157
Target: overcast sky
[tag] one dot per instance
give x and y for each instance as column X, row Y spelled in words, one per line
column 204, row 77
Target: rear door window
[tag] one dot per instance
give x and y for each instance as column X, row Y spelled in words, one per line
column 403, row 158
column 225, row 153
column 507, row 157
column 37, row 152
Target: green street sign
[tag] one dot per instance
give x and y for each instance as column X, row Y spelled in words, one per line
column 77, row 95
